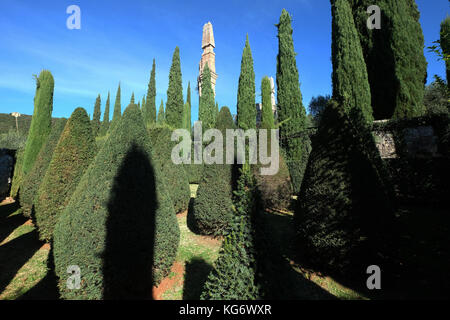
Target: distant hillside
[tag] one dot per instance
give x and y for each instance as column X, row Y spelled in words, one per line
column 8, row 122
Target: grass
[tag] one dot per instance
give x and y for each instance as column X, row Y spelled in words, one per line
column 23, row 258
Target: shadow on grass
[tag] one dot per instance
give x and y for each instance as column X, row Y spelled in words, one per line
column 47, row 288
column 282, row 282
column 9, row 224
column 196, row 273
column 15, row 253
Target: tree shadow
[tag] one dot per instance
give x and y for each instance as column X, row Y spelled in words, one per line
column 196, row 273
column 47, row 288
column 130, row 230
column 15, row 253
column 9, row 224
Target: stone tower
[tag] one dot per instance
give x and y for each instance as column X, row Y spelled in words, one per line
column 208, row 57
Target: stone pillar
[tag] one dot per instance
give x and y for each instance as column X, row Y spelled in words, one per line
column 208, row 57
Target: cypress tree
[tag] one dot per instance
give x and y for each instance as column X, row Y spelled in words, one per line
column 246, row 108
column 119, row 226
column 175, row 104
column 143, row 104
column 394, row 57
column 72, row 155
column 96, row 116
column 33, row 180
column 350, row 81
column 149, row 108
column 105, row 124
column 291, row 112
column 132, row 98
column 267, row 120
column 445, row 46
column 161, row 116
column 206, row 107
column 234, row 276
column 188, row 100
column 117, row 109
column 41, row 121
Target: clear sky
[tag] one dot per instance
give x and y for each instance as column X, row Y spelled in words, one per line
column 118, row 40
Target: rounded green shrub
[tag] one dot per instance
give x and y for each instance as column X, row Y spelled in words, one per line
column 175, row 176
column 42, row 119
column 345, row 211
column 18, row 175
column 72, row 155
column 32, row 181
column 119, row 227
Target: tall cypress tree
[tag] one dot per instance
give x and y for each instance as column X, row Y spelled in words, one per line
column 132, row 98
column 394, row 57
column 246, row 108
column 188, row 100
column 143, row 103
column 175, row 104
column 117, row 109
column 41, row 121
column 149, row 111
column 105, row 124
column 206, row 107
column 291, row 112
column 350, row 81
column 96, row 117
column 267, row 120
column 161, row 116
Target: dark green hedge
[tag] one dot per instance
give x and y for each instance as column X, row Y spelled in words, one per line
column 32, row 181
column 73, row 154
column 177, row 180
column 42, row 119
column 119, row 226
column 345, row 210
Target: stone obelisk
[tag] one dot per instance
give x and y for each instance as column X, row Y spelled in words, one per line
column 208, row 57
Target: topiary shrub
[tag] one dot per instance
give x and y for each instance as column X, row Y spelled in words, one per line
column 235, row 276
column 32, row 181
column 345, row 213
column 17, row 176
column 72, row 155
column 212, row 210
column 275, row 190
column 174, row 175
column 119, row 227
column 42, row 119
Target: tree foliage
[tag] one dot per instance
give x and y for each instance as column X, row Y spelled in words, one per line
column 42, row 119
column 149, row 109
column 96, row 117
column 119, row 227
column 117, row 109
column 175, row 103
column 105, row 123
column 206, row 107
column 267, row 120
column 246, row 108
column 72, row 155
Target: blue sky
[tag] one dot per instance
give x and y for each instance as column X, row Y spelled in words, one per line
column 119, row 39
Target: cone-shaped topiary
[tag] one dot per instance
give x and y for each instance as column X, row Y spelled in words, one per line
column 33, row 180
column 175, row 176
column 105, row 123
column 345, row 212
column 175, row 103
column 96, row 117
column 117, row 114
column 73, row 154
column 17, row 176
column 212, row 210
column 246, row 110
column 291, row 112
column 234, row 276
column 119, row 228
column 149, row 108
column 350, row 81
column 267, row 119
column 42, row 119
